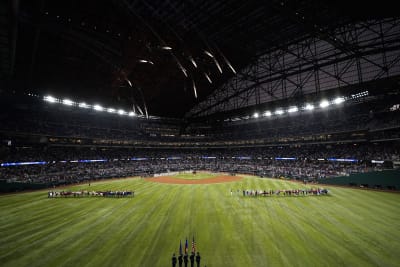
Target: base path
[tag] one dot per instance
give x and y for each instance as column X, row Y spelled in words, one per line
column 214, row 180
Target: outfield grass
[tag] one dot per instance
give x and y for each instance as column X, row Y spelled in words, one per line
column 197, row 176
column 349, row 228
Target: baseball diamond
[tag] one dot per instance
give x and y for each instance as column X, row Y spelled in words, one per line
column 199, row 133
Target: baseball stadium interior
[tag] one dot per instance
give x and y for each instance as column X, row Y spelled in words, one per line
column 295, row 89
column 215, row 132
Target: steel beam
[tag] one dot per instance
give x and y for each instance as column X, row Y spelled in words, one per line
column 372, row 53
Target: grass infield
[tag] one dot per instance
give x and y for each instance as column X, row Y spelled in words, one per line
column 197, row 176
column 348, row 228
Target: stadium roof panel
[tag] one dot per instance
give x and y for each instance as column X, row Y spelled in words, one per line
column 151, row 55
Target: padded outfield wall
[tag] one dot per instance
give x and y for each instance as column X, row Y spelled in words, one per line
column 388, row 179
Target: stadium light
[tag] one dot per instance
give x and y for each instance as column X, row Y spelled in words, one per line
column 68, row 102
column 50, row 99
column 83, row 105
column 98, row 108
column 324, row 104
column 293, row 109
column 338, row 100
column 279, row 112
column 121, row 112
column 309, row 107
column 208, row 54
column 193, row 62
column 361, row 94
column 131, row 114
column 166, row 48
column 111, row 110
column 255, row 115
column 208, row 78
column 267, row 113
column 146, row 61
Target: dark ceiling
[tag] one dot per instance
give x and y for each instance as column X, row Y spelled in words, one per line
column 94, row 50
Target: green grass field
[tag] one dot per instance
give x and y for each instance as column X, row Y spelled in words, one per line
column 197, row 176
column 349, row 228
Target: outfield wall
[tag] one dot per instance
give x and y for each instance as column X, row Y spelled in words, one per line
column 389, row 179
column 6, row 187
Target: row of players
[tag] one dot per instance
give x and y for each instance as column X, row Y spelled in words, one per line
column 285, row 192
column 85, row 193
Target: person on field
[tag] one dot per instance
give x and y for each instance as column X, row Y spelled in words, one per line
column 192, row 259
column 173, row 260
column 185, row 259
column 198, row 259
column 180, row 260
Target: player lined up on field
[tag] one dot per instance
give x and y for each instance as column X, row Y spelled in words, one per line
column 283, row 192
column 85, row 193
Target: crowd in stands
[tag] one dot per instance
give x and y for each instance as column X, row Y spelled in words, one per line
column 305, row 145
column 361, row 117
column 45, row 121
column 62, row 165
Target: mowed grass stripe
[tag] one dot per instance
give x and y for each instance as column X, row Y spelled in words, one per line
column 78, row 237
column 245, row 218
column 348, row 228
column 110, row 238
column 162, row 220
column 77, row 229
column 49, row 228
column 320, row 216
column 54, row 209
column 75, row 215
column 317, row 229
column 351, row 236
column 113, row 233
